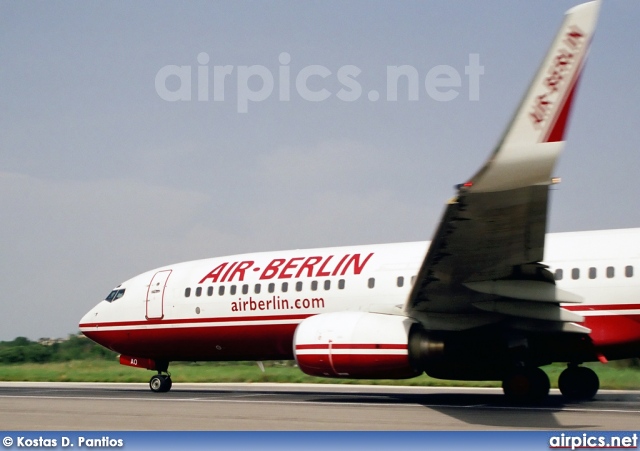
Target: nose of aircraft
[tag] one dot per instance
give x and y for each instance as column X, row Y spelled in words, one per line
column 89, row 319
column 90, row 325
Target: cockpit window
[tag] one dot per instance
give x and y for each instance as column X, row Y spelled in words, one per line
column 114, row 295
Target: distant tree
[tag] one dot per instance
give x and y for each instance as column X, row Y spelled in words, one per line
column 20, row 341
column 627, row 363
column 76, row 347
column 37, row 353
column 12, row 355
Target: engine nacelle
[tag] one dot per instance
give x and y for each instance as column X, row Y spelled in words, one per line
column 355, row 345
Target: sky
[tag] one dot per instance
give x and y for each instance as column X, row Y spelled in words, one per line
column 135, row 135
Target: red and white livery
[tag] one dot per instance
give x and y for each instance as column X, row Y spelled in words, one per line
column 491, row 297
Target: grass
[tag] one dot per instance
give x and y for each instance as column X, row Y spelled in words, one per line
column 611, row 377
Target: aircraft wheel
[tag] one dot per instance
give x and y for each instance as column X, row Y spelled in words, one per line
column 160, row 384
column 578, row 383
column 155, row 383
column 526, row 385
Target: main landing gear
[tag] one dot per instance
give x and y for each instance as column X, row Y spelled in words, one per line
column 531, row 385
column 578, row 383
column 527, row 384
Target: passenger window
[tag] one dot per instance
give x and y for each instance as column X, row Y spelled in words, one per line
column 257, row 288
column 558, row 274
column 610, row 272
column 327, row 285
column 232, row 290
column 400, row 282
column 210, row 291
column 285, row 287
column 221, row 290
column 298, row 286
column 628, row 271
column 245, row 288
column 314, row 285
column 413, row 280
column 187, row 292
column 575, row 273
column 371, row 282
column 341, row 284
column 198, row 291
column 592, row 273
column 272, row 287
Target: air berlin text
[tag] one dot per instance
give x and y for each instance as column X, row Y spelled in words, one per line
column 276, row 303
column 281, row 268
column 561, row 65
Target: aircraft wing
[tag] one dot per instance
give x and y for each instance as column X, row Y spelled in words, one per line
column 484, row 261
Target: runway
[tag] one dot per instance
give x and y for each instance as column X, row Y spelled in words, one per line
column 99, row 406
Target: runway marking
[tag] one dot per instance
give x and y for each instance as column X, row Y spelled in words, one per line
column 330, row 403
column 208, row 398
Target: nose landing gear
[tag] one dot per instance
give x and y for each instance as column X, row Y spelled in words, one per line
column 160, row 383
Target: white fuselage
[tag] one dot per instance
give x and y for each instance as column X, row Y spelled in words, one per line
column 247, row 306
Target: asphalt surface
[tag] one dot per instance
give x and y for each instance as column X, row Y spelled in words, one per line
column 98, row 406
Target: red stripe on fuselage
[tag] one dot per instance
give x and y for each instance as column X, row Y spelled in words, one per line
column 591, row 308
column 201, row 343
column 168, row 322
column 613, row 330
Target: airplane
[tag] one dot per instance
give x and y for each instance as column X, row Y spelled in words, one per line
column 491, row 297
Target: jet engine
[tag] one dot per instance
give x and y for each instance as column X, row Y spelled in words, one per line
column 363, row 345
column 355, row 345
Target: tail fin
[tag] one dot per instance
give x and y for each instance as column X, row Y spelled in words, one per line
column 535, row 135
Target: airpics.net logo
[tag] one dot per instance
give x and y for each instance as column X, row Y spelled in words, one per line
column 312, row 83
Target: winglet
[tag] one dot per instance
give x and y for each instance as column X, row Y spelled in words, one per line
column 533, row 140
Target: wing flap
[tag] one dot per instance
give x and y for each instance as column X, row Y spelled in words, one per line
column 531, row 325
column 528, row 290
column 531, row 310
